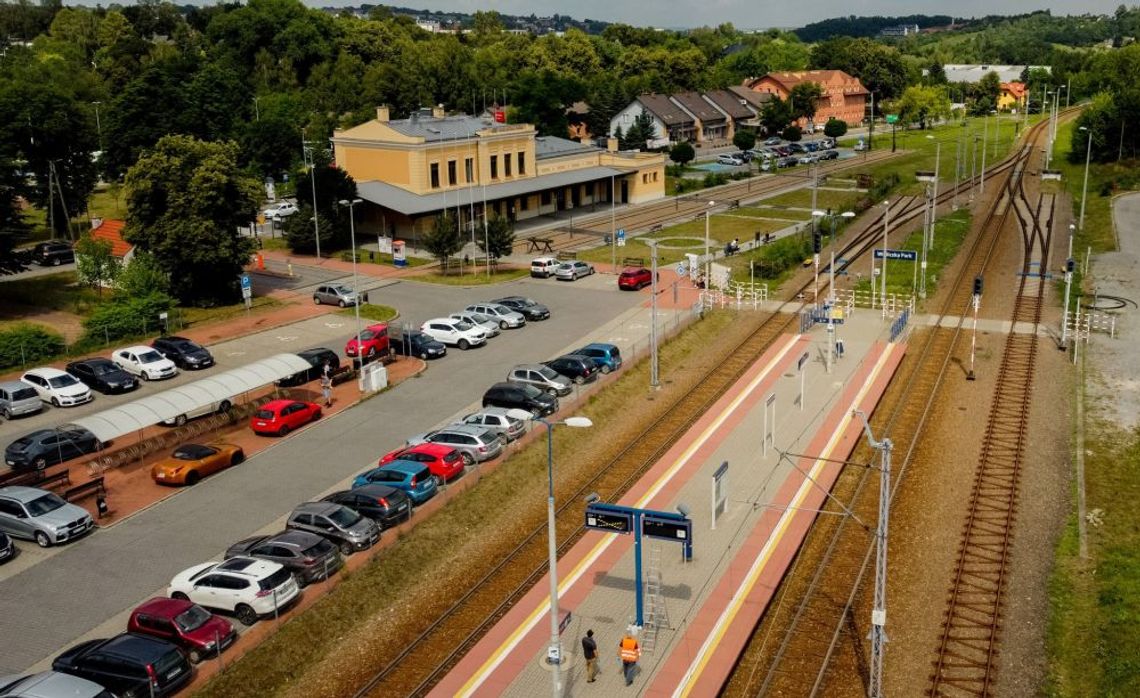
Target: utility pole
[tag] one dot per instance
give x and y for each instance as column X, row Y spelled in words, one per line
column 883, row 266
column 878, row 635
column 310, row 161
column 654, row 378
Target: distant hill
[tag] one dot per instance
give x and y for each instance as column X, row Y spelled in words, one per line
column 531, row 23
column 865, row 26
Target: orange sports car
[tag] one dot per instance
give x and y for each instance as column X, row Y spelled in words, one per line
column 191, row 462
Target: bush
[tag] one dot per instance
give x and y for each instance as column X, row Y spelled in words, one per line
column 834, row 128
column 24, row 343
column 125, row 317
column 792, row 134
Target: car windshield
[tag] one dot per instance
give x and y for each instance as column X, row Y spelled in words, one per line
column 463, row 326
column 45, row 504
column 321, row 548
column 479, row 317
column 191, row 619
column 63, row 381
column 344, row 517
column 149, row 357
column 341, row 290
column 187, row 345
column 23, row 394
column 548, row 373
column 191, row 452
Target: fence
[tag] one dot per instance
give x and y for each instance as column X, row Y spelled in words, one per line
column 896, row 303
column 899, row 326
column 747, row 292
column 1081, row 325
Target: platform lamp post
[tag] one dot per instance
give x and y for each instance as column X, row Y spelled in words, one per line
column 883, row 266
column 830, row 240
column 985, row 149
column 1085, row 186
column 654, row 367
column 310, row 162
column 708, row 254
column 937, row 169
column 613, row 224
column 554, row 651
column 355, row 280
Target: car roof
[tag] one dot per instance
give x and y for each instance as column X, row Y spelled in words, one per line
column 163, row 606
column 377, row 489
column 247, row 567
column 543, row 259
column 139, row 348
column 45, row 372
column 51, row 684
column 498, row 411
column 94, row 361
column 600, row 345
column 438, row 319
column 530, row 367
column 633, row 270
column 469, row 429
column 505, row 384
column 135, row 646
column 315, row 351
column 15, row 385
column 21, row 493
column 175, row 339
column 278, row 403
column 315, row 508
column 429, row 447
column 408, row 467
column 297, row 539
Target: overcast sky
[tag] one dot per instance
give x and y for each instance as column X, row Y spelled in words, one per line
column 746, row 14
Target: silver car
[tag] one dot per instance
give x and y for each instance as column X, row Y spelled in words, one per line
column 506, row 317
column 51, row 684
column 335, row 294
column 542, row 377
column 476, row 444
column 42, row 516
column 347, row 529
column 483, row 322
column 572, row 271
column 497, row 420
column 17, row 398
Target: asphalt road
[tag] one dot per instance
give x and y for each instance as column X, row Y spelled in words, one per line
column 46, row 606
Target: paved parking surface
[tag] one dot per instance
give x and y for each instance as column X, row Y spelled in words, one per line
column 51, row 604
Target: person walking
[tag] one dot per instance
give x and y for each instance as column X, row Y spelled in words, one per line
column 590, row 652
column 630, row 652
column 326, row 384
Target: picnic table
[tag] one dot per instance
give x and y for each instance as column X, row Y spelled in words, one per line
column 537, row 244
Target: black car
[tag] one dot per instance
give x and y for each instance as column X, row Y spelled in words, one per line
column 829, row 155
column 416, row 343
column 308, row 556
column 103, row 375
column 385, row 505
column 578, row 368
column 530, row 308
column 183, row 352
column 7, row 549
column 316, row 358
column 520, row 396
column 53, row 253
column 45, row 447
column 129, row 663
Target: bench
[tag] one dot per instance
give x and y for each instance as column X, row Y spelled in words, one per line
column 21, row 477
column 657, row 227
column 633, row 261
column 94, row 485
column 537, row 244
column 63, row 477
column 343, row 374
column 564, row 255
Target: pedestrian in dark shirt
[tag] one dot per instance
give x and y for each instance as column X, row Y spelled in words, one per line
column 590, row 652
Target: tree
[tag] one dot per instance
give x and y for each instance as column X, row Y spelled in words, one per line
column 333, row 186
column 499, row 238
column 792, row 133
column 94, row 263
column 834, row 128
column 923, row 104
column 299, row 234
column 775, row 115
column 744, row 139
column 444, row 240
column 542, row 98
column 186, row 200
column 803, row 98
column 142, row 276
column 641, row 131
column 682, row 154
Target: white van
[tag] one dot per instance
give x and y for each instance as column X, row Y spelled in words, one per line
column 543, row 267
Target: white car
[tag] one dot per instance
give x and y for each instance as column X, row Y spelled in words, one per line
column 283, row 209
column 58, row 388
column 246, row 586
column 727, row 159
column 144, row 362
column 543, row 267
column 484, row 322
column 506, row 317
column 456, row 333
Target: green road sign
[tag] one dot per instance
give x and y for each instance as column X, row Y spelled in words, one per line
column 892, row 118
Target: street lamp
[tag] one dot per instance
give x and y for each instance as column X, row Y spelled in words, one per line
column 310, row 162
column 654, row 371
column 708, row 255
column 355, row 281
column 1085, row 187
column 985, row 148
column 554, row 651
column 830, row 239
column 883, row 267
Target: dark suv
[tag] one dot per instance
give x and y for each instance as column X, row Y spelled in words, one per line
column 308, row 556
column 53, row 253
column 183, row 352
column 531, row 309
column 316, row 358
column 129, row 663
column 520, row 396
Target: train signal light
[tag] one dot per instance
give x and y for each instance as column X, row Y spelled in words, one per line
column 817, row 241
column 978, row 285
column 1070, row 265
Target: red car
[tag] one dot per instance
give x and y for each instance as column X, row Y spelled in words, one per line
column 373, row 342
column 442, row 461
column 186, row 624
column 282, row 416
column 635, row 278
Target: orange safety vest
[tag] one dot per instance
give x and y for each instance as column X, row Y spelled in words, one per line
column 629, row 649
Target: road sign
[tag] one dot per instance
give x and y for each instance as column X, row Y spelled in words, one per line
column 246, row 292
column 668, row 529
column 682, row 269
column 621, row 237
column 609, row 521
column 892, row 118
column 245, row 282
column 905, row 255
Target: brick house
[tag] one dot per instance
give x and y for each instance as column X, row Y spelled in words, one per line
column 844, row 97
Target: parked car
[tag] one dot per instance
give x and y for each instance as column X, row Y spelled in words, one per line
column 317, row 358
column 218, row 407
column 541, row 377
column 144, row 362
column 507, row 318
column 522, row 397
column 335, row 294
column 829, row 155
column 279, row 417
column 418, row 344
column 796, row 148
column 745, row 155
column 129, row 664
column 783, row 151
column 346, row 529
column 606, row 356
column 308, row 556
column 183, row 352
column 373, row 342
column 543, row 267
column 444, row 461
column 789, row 161
column 53, row 253
column 414, row 479
column 635, row 278
column 729, row 159
column 531, row 309
column 279, row 210
column 198, row 632
column 57, row 388
column 572, row 271
column 475, row 444
column 386, row 505
column 51, row 684
column 34, row 514
column 103, row 375
column 7, row 547
column 772, row 140
column 484, row 322
column 189, row 463
column 18, row 398
column 454, row 332
column 578, row 368
column 247, row 587
column 808, row 158
column 43, row 447
column 811, row 146
column 766, row 166
column 497, row 420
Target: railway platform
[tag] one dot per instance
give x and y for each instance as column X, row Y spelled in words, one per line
column 781, row 442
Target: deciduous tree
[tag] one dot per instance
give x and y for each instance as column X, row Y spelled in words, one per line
column 923, row 104
column 96, row 265
column 744, row 139
column 499, row 237
column 682, row 154
column 444, row 239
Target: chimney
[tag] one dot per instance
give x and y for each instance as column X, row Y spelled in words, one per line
column 382, row 114
column 612, row 144
column 438, row 112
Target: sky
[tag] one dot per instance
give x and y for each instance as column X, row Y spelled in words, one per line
column 744, row 14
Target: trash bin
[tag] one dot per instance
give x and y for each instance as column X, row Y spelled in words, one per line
column 608, row 238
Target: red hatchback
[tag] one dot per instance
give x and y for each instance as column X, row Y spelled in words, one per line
column 282, row 416
column 186, row 624
column 635, row 278
column 442, row 461
column 373, row 342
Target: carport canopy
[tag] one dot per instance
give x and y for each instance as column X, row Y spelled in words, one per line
column 167, row 405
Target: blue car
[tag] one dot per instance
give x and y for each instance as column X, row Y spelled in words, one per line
column 606, row 356
column 412, row 477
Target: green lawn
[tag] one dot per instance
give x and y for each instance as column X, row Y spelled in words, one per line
column 835, row 200
column 51, row 291
column 479, row 278
column 949, row 232
column 688, row 237
column 368, row 311
column 1104, row 180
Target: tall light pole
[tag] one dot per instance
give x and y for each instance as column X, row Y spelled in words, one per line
column 654, row 371
column 973, row 167
column 883, row 266
column 554, row 650
column 256, row 109
column 355, row 280
column 1069, row 266
column 937, row 167
column 310, row 161
column 98, row 124
column 985, row 148
column 1085, row 187
column 613, row 224
column 708, row 254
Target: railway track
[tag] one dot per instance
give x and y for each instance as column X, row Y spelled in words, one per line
column 812, row 619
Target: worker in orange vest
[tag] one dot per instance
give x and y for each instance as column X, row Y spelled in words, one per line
column 630, row 652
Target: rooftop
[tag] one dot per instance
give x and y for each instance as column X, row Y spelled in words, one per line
column 662, row 108
column 553, row 146
column 698, row 107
